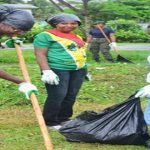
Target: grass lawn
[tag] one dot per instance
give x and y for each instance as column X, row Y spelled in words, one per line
column 111, row 83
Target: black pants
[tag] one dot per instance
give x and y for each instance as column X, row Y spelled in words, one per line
column 60, row 100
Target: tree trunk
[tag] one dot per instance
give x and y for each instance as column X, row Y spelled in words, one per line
column 86, row 14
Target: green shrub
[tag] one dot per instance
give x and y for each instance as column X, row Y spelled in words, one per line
column 37, row 28
column 128, row 31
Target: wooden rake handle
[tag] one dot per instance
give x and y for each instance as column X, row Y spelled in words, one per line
column 116, row 50
column 36, row 107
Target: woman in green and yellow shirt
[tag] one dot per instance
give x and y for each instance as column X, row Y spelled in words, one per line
column 61, row 56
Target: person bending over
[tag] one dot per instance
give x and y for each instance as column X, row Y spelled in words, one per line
column 15, row 22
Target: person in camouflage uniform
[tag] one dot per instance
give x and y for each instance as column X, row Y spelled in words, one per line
column 98, row 43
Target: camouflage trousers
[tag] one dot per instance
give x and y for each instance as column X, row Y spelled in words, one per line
column 100, row 45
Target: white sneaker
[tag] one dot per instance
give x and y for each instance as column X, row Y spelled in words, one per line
column 57, row 127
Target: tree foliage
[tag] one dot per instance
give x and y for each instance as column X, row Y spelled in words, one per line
column 90, row 10
column 128, row 31
column 44, row 9
column 140, row 8
column 110, row 10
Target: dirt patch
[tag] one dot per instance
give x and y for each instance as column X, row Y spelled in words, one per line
column 17, row 116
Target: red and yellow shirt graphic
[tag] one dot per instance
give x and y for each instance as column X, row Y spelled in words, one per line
column 64, row 52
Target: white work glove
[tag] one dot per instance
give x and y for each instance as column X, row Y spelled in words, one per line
column 145, row 91
column 10, row 43
column 148, row 59
column 50, row 77
column 148, row 78
column 27, row 89
column 113, row 45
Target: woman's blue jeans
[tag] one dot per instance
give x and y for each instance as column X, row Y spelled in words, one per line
column 60, row 100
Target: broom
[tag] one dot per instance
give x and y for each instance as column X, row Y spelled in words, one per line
column 34, row 100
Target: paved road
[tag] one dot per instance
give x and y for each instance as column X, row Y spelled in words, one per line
column 121, row 46
column 134, row 46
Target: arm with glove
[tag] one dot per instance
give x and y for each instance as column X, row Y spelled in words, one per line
column 145, row 92
column 48, row 75
column 26, row 88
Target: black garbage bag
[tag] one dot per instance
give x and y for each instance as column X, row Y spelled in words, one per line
column 120, row 124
